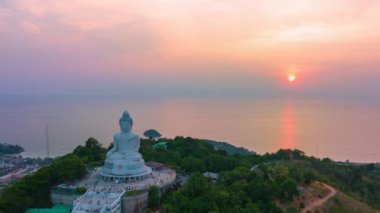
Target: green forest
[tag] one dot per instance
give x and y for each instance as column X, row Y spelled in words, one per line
column 247, row 183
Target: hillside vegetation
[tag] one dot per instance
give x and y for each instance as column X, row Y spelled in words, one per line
column 343, row 203
column 255, row 183
column 247, row 183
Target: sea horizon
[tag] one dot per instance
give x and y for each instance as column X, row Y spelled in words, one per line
column 319, row 127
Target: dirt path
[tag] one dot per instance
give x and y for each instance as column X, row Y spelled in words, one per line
column 321, row 201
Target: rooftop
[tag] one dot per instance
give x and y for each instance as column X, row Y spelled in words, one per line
column 56, row 209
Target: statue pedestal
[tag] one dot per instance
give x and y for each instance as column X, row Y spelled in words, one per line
column 125, row 178
column 125, row 166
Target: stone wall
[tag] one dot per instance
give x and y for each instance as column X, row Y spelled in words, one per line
column 63, row 198
column 136, row 203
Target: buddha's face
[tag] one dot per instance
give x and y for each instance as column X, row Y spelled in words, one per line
column 125, row 126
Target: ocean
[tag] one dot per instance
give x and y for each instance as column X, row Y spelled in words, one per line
column 340, row 130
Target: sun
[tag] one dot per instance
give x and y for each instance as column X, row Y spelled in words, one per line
column 291, row 77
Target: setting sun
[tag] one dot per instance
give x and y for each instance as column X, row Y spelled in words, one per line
column 291, row 77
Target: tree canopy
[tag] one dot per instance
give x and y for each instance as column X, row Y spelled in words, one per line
column 91, row 152
column 152, row 134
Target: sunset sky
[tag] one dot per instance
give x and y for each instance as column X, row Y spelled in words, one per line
column 191, row 48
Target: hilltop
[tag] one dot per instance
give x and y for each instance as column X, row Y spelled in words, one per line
column 285, row 181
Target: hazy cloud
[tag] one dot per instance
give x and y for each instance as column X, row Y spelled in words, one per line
column 231, row 47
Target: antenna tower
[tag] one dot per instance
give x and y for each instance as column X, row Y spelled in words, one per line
column 47, row 141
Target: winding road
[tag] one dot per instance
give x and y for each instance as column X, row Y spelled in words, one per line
column 321, row 201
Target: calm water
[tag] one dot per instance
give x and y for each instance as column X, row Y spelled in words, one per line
column 339, row 130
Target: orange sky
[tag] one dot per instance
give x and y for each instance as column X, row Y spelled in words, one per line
column 93, row 41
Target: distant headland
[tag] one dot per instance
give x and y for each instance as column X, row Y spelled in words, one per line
column 229, row 148
column 10, row 149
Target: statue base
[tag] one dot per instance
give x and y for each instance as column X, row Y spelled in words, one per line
column 125, row 178
column 125, row 167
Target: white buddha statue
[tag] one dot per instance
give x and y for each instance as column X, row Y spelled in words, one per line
column 124, row 142
column 124, row 159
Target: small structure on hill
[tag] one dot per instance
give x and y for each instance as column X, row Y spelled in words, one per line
column 160, row 145
column 213, row 176
column 55, row 209
column 152, row 134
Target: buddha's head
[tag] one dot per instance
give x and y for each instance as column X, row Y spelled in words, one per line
column 126, row 122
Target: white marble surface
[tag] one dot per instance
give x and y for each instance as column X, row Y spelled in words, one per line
column 124, row 159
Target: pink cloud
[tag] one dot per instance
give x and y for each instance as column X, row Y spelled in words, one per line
column 258, row 37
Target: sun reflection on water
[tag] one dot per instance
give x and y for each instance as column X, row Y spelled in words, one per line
column 288, row 128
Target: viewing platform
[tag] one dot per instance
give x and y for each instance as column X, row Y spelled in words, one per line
column 106, row 196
